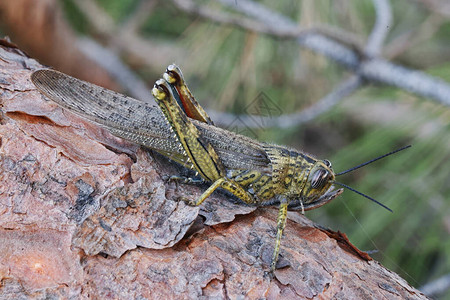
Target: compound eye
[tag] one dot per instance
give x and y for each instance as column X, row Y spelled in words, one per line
column 319, row 179
column 327, row 163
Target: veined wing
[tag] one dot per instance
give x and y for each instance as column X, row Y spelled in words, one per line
column 143, row 123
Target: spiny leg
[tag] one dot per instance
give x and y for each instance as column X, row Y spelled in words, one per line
column 281, row 223
column 186, row 101
column 188, row 104
column 237, row 190
column 226, row 184
column 208, row 192
column 201, row 154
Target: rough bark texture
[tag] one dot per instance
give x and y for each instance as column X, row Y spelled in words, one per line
column 86, row 215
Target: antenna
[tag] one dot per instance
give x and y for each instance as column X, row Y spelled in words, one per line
column 364, row 195
column 369, row 162
column 365, row 164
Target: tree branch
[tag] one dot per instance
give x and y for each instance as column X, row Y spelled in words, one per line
column 437, row 287
column 380, row 29
column 356, row 61
column 343, row 90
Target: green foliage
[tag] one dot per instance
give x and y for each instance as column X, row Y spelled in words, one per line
column 118, row 9
column 160, row 15
column 75, row 17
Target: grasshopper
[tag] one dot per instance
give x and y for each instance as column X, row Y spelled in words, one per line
column 258, row 173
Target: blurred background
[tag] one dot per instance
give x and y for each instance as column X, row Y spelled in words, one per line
column 344, row 80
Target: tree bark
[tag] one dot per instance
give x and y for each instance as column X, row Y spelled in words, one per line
column 86, row 215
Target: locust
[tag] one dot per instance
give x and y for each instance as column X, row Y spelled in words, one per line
column 259, row 174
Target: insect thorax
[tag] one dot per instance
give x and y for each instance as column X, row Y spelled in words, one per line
column 290, row 170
